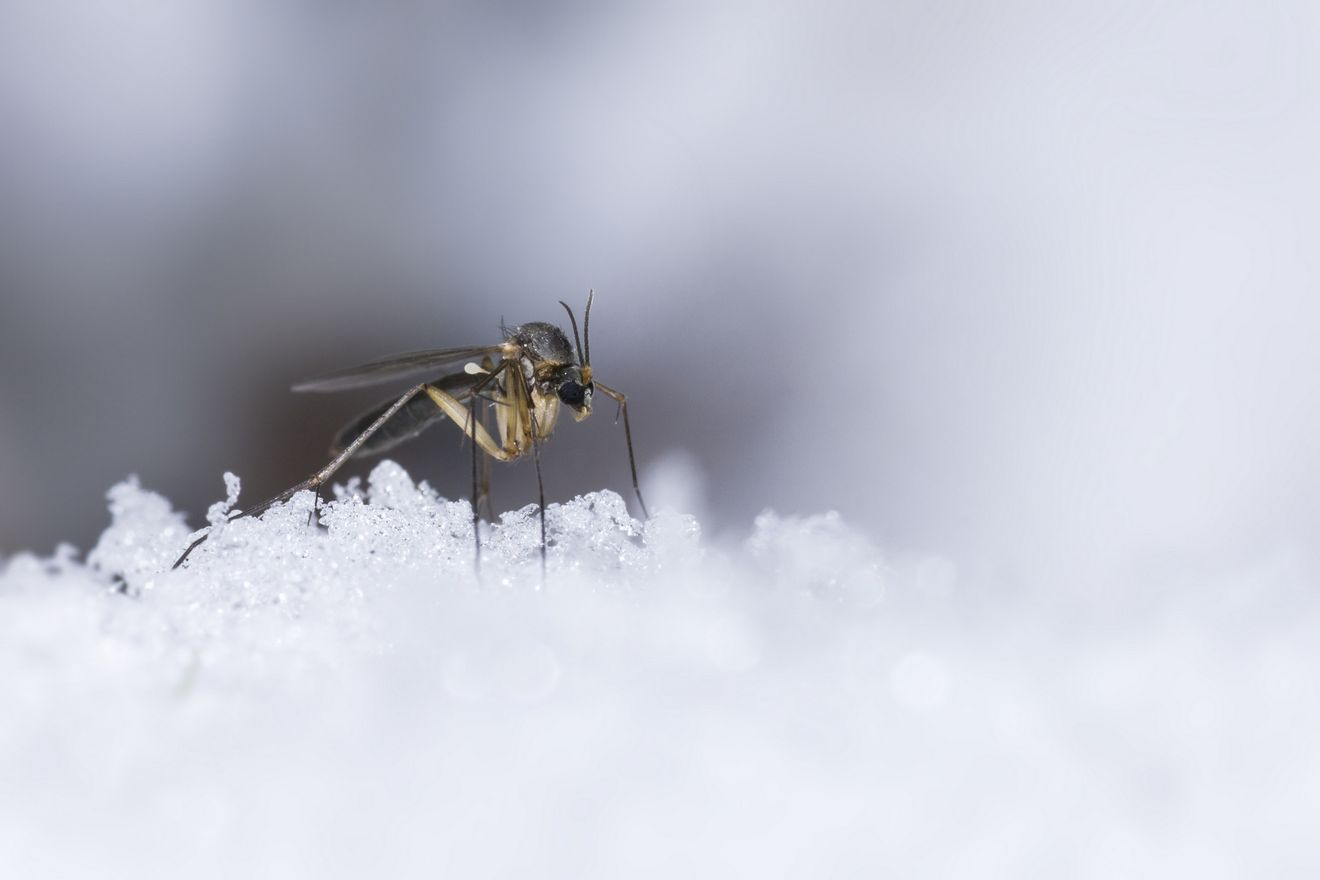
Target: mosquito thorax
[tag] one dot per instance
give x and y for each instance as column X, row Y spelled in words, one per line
column 543, row 342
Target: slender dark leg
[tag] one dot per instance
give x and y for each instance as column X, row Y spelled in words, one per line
column 316, row 505
column 483, row 479
column 486, row 501
column 471, row 430
column 540, row 491
column 489, row 366
column 627, row 437
column 465, row 415
column 316, row 480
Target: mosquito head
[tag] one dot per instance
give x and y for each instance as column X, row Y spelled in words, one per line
column 572, row 383
column 574, row 388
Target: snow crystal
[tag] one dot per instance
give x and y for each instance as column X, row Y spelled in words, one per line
column 347, row 696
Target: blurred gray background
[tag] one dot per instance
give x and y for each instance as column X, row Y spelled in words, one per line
column 1029, row 286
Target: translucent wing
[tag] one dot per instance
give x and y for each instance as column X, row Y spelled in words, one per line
column 416, row 416
column 399, row 366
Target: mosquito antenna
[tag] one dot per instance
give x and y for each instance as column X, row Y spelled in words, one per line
column 586, row 328
column 576, row 338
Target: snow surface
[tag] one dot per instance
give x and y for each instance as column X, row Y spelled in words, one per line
column 353, row 701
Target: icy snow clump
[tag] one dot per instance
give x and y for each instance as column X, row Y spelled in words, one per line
column 351, row 699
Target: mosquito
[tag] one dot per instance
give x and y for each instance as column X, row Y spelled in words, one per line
column 526, row 381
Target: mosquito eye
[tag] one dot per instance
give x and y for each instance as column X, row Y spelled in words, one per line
column 572, row 393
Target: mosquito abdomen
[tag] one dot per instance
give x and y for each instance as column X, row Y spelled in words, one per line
column 416, row 416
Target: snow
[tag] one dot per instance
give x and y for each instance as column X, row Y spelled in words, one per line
column 355, row 701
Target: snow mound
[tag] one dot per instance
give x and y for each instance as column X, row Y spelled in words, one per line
column 352, row 699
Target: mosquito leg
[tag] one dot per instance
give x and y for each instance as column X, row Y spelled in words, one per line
column 316, row 480
column 521, row 431
column 465, row 416
column 316, row 505
column 483, row 486
column 461, row 414
column 481, row 492
column 540, row 490
column 489, row 366
column 622, row 400
column 470, row 428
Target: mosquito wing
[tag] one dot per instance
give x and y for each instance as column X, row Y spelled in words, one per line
column 413, row 363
